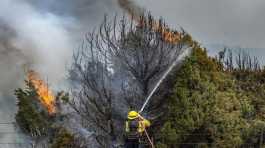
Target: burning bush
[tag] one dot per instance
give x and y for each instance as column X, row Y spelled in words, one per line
column 45, row 95
column 36, row 114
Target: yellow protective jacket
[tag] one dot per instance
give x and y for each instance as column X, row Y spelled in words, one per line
column 142, row 125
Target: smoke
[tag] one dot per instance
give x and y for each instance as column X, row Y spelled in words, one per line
column 27, row 39
column 229, row 22
column 131, row 8
column 41, row 35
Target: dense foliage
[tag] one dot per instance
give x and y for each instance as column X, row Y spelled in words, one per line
column 31, row 119
column 214, row 107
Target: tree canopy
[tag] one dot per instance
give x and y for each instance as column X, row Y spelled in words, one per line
column 212, row 107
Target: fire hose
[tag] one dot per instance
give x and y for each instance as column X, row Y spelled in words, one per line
column 180, row 57
column 146, row 133
column 183, row 54
column 149, row 139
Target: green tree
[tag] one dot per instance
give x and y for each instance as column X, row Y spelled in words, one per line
column 30, row 118
column 211, row 107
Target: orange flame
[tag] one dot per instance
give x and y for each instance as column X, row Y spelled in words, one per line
column 135, row 12
column 46, row 96
column 167, row 34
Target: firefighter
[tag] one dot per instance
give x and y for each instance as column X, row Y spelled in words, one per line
column 135, row 127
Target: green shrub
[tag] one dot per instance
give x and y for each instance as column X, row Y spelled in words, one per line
column 30, row 119
column 212, row 107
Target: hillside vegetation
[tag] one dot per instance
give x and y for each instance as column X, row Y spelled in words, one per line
column 215, row 105
column 207, row 102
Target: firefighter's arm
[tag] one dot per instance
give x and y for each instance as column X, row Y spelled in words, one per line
column 127, row 129
column 146, row 122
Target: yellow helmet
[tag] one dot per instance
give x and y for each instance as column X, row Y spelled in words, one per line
column 133, row 115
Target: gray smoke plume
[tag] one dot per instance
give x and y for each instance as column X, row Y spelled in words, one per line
column 11, row 63
column 28, row 38
column 131, row 8
column 228, row 22
column 41, row 35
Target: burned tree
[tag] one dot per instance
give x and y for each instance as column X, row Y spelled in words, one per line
column 141, row 51
column 115, row 70
column 238, row 61
column 245, row 62
column 94, row 100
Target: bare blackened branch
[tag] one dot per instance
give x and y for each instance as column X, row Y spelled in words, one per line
column 117, row 66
